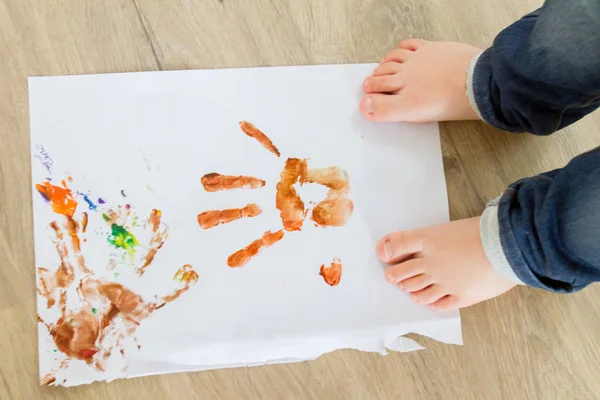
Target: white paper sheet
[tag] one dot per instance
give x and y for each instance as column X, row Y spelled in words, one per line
column 142, row 141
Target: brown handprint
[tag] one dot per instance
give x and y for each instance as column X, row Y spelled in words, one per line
column 334, row 210
column 108, row 312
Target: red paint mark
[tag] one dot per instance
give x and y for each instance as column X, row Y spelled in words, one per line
column 241, row 257
column 333, row 273
column 255, row 133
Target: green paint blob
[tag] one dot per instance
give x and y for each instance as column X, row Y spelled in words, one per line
column 106, row 217
column 94, row 311
column 55, row 350
column 121, row 238
column 116, row 274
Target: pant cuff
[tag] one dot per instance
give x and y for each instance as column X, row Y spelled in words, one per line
column 470, row 90
column 489, row 230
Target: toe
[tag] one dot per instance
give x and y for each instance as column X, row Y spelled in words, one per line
column 382, row 107
column 399, row 246
column 408, row 269
column 397, row 55
column 415, row 283
column 388, row 68
column 449, row 302
column 382, row 84
column 411, row 44
column 429, row 295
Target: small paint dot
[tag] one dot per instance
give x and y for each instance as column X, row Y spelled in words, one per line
column 127, row 206
column 123, row 193
column 100, row 201
column 55, row 350
column 106, row 217
column 94, row 311
column 116, row 274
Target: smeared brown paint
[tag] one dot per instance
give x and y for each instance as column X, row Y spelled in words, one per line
column 90, row 333
column 47, row 380
column 241, row 257
column 214, row 182
column 84, row 222
column 336, row 208
column 185, row 275
column 156, row 242
column 287, row 200
column 333, row 273
column 255, row 133
column 210, row 219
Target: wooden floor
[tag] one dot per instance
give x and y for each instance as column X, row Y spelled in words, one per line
column 525, row 345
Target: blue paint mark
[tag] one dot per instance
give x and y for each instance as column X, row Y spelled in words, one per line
column 89, row 202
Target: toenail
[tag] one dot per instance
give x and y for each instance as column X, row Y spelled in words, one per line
column 390, row 277
column 369, row 105
column 401, row 287
column 387, row 246
column 366, row 83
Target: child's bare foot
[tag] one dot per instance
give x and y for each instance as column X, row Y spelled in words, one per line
column 444, row 265
column 420, row 81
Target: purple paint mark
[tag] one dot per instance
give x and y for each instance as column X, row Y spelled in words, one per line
column 100, row 201
column 44, row 157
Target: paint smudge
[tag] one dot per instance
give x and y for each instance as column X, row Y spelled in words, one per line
column 255, row 133
column 336, row 208
column 61, row 198
column 101, row 201
column 287, row 200
column 210, row 219
column 47, row 380
column 159, row 235
column 43, row 156
column 214, row 182
column 108, row 312
column 123, row 193
column 121, row 238
column 332, row 274
column 89, row 202
column 241, row 257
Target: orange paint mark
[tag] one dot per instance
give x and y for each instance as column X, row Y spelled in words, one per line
column 287, row 200
column 156, row 242
column 210, row 219
column 336, row 208
column 241, row 257
column 185, row 275
column 214, row 182
column 61, row 198
column 333, row 273
column 84, row 222
column 255, row 133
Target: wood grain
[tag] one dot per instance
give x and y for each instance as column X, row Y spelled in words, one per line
column 527, row 344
